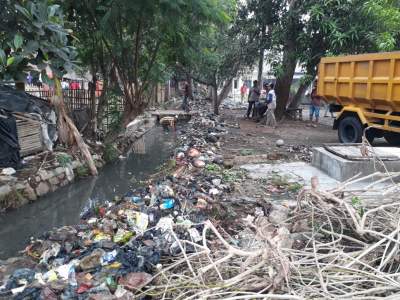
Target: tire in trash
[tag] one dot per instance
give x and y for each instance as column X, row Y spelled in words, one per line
column 350, row 130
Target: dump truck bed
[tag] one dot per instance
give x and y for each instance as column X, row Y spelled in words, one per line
column 367, row 81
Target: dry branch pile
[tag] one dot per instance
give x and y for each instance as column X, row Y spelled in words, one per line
column 351, row 250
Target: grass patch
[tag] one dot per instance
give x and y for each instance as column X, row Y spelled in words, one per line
column 63, row 159
column 213, row 168
column 247, row 152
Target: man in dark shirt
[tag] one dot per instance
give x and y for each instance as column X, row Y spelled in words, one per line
column 315, row 104
column 254, row 96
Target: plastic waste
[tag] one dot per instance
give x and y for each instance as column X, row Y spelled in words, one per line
column 111, row 283
column 92, row 260
column 142, row 221
column 109, row 257
column 50, row 276
column 52, row 252
column 122, row 236
column 167, row 203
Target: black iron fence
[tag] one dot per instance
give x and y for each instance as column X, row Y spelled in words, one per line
column 80, row 100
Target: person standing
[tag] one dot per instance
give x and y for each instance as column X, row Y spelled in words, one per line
column 271, row 102
column 315, row 104
column 243, row 92
column 254, row 95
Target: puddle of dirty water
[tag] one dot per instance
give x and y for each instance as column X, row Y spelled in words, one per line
column 64, row 206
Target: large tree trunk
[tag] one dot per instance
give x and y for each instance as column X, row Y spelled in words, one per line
column 260, row 68
column 167, row 94
column 289, row 61
column 102, row 102
column 284, row 82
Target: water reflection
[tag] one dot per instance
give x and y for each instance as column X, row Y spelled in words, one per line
column 64, row 206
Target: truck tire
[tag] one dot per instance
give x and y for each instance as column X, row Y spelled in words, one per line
column 350, row 130
column 393, row 138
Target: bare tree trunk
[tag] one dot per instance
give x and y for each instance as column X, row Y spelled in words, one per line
column 93, row 112
column 167, row 94
column 20, row 86
column 284, row 82
column 260, row 68
column 102, row 101
column 296, row 101
column 68, row 133
column 227, row 88
column 215, row 99
column 190, row 83
column 209, row 92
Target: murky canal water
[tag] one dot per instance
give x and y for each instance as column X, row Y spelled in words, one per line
column 64, row 206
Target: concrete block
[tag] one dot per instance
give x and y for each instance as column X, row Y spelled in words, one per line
column 342, row 169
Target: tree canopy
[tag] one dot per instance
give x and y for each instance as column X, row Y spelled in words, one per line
column 132, row 45
column 33, row 37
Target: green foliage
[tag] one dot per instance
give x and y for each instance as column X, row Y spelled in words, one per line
column 33, row 37
column 358, row 206
column 138, row 40
column 246, row 152
column 63, row 159
column 213, row 168
column 233, row 175
column 82, row 171
column 114, row 113
column 110, row 153
column 295, row 187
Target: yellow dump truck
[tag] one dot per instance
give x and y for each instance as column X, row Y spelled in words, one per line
column 364, row 90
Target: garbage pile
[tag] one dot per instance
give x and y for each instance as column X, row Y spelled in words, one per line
column 233, row 103
column 337, row 244
column 116, row 248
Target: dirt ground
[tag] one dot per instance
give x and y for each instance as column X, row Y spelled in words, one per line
column 246, row 137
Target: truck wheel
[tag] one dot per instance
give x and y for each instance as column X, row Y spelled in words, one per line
column 393, row 138
column 350, row 130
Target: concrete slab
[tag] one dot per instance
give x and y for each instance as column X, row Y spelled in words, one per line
column 342, row 169
column 178, row 114
column 300, row 172
column 353, row 152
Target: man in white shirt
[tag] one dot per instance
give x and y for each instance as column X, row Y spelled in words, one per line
column 271, row 102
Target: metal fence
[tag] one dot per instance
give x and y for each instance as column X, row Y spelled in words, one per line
column 80, row 99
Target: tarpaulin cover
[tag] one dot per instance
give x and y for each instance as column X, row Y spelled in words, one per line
column 19, row 101
column 9, row 147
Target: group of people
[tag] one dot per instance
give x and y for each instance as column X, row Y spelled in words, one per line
column 262, row 108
